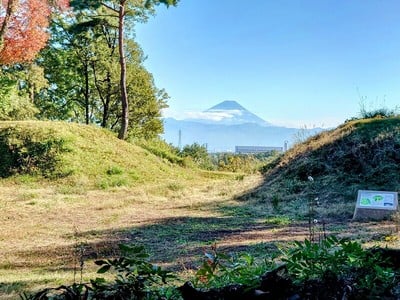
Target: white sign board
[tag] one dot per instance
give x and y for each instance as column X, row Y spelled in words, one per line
column 375, row 204
column 377, row 200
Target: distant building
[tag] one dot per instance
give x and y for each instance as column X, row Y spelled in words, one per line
column 256, row 149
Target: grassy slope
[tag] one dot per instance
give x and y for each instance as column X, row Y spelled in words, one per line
column 362, row 154
column 78, row 155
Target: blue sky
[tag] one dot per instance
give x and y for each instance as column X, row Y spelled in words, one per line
column 292, row 62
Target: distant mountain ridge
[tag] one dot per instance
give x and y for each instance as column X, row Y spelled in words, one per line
column 226, row 125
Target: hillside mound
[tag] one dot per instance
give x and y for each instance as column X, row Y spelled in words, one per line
column 76, row 153
column 362, row 154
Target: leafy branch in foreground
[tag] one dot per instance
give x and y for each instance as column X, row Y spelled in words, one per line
column 220, row 269
column 135, row 278
column 135, row 275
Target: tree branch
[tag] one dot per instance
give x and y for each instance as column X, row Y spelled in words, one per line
column 109, row 7
column 9, row 11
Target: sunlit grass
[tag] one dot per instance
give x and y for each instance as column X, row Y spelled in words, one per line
column 120, row 193
column 41, row 226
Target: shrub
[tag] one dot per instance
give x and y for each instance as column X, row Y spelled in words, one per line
column 198, row 154
column 381, row 112
column 344, row 259
column 161, row 149
column 114, row 170
column 220, row 269
column 24, row 153
column 372, row 111
column 134, row 279
column 339, row 266
column 246, row 163
column 278, row 220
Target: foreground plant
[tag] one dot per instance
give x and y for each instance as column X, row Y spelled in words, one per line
column 343, row 260
column 221, row 269
column 332, row 269
column 135, row 278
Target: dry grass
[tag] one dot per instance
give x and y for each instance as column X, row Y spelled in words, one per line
column 175, row 220
column 41, row 226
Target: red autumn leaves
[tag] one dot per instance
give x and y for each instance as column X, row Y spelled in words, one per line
column 24, row 28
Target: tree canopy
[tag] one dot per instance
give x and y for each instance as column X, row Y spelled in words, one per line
column 91, row 71
column 118, row 13
column 23, row 28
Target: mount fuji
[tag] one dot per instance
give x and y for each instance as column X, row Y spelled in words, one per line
column 226, row 125
column 227, row 113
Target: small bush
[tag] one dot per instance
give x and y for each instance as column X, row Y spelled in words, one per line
column 114, row 171
column 161, row 149
column 278, row 220
column 380, row 112
column 115, row 181
column 245, row 163
column 135, row 278
column 331, row 269
column 220, row 269
column 23, row 152
column 345, row 259
column 198, row 155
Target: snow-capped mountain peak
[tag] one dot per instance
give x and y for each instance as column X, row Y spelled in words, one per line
column 227, row 105
column 227, row 113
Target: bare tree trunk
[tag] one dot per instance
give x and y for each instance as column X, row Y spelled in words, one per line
column 31, row 92
column 106, row 102
column 87, row 93
column 124, row 95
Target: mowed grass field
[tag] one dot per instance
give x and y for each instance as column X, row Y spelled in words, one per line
column 45, row 232
column 42, row 227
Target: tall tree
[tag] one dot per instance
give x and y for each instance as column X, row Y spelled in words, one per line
column 67, row 64
column 23, row 28
column 81, row 62
column 124, row 10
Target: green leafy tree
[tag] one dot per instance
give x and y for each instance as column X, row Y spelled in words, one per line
column 146, row 101
column 81, row 66
column 67, row 65
column 198, row 153
column 123, row 11
column 15, row 103
column 34, row 81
